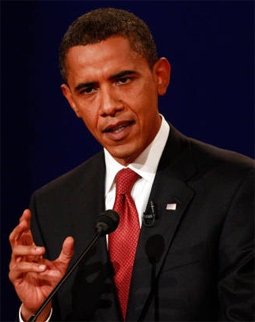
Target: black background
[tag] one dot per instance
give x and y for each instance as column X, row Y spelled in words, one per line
column 210, row 45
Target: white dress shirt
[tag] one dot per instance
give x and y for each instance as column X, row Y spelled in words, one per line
column 145, row 165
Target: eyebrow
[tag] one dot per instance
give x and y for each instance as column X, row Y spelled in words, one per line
column 84, row 85
column 123, row 74
column 112, row 77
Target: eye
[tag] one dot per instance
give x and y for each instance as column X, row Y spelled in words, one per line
column 88, row 90
column 123, row 80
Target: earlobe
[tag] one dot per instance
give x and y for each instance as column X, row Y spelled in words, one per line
column 162, row 70
column 68, row 95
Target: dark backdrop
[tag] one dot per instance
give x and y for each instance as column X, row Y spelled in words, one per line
column 209, row 44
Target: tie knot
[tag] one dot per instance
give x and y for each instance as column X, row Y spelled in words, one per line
column 125, row 180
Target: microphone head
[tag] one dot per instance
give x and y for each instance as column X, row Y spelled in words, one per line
column 107, row 222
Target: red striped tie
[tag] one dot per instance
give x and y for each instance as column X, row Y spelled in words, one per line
column 123, row 242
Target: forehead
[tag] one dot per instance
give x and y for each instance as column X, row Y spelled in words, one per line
column 115, row 52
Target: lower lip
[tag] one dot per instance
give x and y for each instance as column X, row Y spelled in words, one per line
column 119, row 136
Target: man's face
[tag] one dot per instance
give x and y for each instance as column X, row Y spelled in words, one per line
column 115, row 92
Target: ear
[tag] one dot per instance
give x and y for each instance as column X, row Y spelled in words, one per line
column 68, row 95
column 162, row 72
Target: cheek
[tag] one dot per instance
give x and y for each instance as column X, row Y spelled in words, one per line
column 147, row 94
column 146, row 106
column 89, row 119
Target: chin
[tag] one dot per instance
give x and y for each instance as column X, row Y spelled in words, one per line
column 122, row 156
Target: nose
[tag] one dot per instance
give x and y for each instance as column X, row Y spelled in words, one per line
column 110, row 102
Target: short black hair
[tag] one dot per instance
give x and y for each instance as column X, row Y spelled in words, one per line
column 100, row 24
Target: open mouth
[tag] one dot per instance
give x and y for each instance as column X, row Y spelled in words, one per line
column 118, row 128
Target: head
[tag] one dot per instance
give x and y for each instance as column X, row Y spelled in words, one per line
column 112, row 80
column 101, row 24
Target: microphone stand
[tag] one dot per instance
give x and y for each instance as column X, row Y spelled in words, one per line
column 156, row 293
column 34, row 317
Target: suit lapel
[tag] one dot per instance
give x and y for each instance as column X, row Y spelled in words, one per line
column 171, row 196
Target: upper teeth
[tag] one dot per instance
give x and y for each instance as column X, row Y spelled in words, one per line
column 119, row 129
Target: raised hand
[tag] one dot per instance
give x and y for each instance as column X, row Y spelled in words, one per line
column 33, row 276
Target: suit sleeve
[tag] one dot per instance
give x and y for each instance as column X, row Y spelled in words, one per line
column 40, row 240
column 236, row 256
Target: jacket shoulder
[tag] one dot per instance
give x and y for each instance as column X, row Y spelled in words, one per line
column 84, row 173
column 205, row 153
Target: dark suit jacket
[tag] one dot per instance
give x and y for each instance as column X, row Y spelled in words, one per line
column 194, row 264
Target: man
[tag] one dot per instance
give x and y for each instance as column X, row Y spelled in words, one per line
column 194, row 257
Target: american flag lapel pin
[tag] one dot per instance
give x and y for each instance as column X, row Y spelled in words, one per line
column 171, row 206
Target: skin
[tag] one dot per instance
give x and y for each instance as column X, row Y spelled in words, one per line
column 34, row 277
column 116, row 95
column 115, row 92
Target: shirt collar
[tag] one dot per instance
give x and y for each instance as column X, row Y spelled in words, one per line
column 147, row 162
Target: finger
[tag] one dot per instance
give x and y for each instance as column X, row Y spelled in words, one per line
column 17, row 271
column 67, row 250
column 26, row 254
column 17, row 232
column 21, row 234
column 26, row 215
column 21, row 250
column 23, row 226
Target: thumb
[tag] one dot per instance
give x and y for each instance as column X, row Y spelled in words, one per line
column 67, row 250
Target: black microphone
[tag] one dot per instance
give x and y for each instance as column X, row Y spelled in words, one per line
column 107, row 222
column 150, row 217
